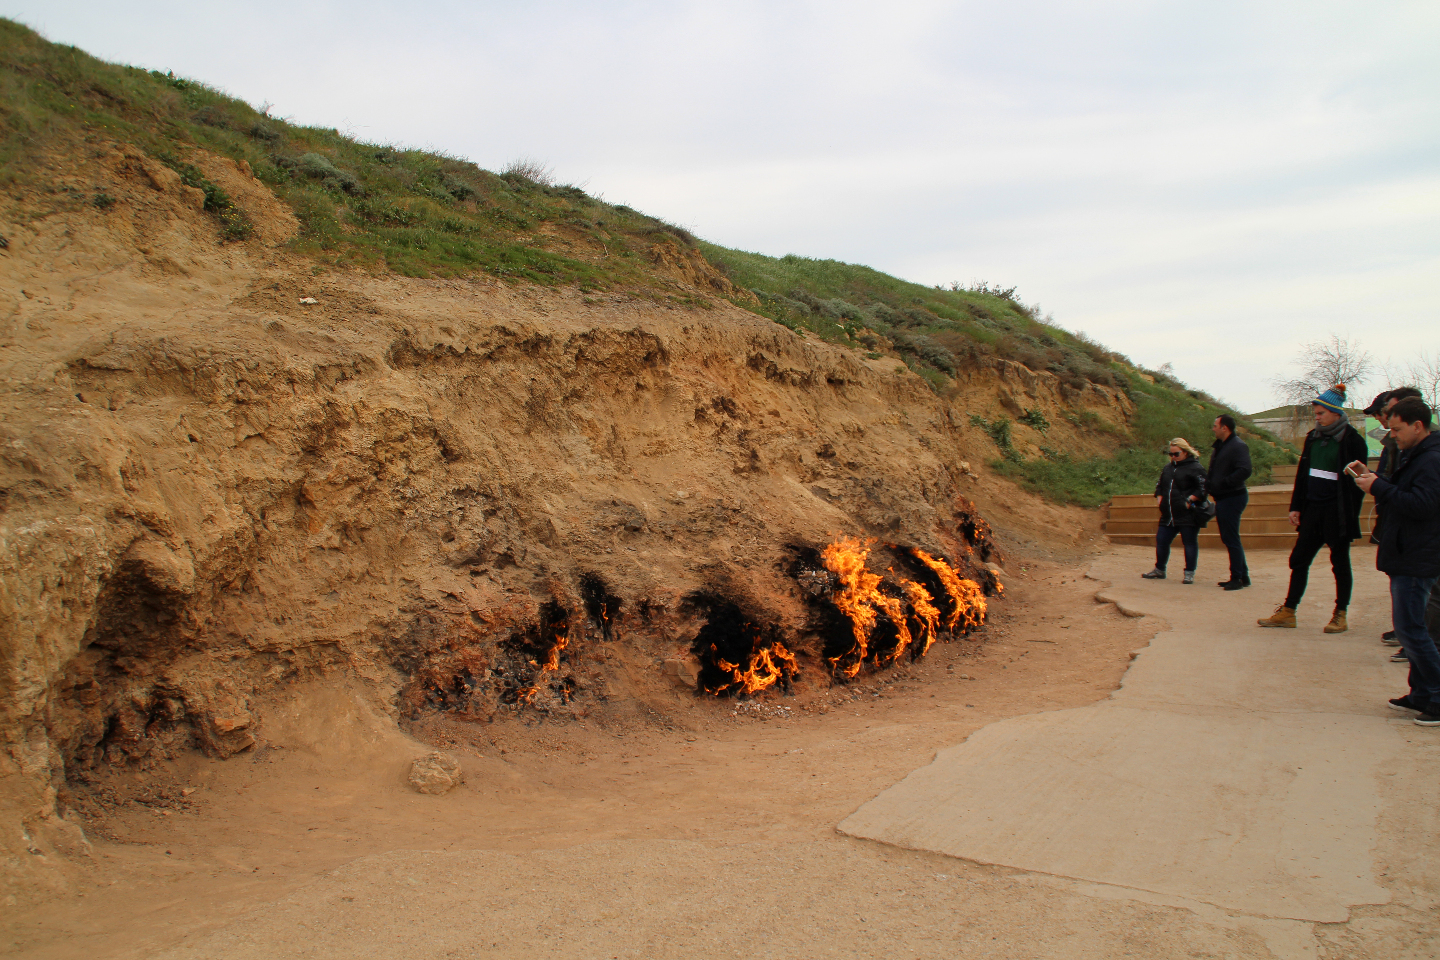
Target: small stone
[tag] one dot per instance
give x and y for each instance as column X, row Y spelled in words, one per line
column 684, row 671
column 435, row 773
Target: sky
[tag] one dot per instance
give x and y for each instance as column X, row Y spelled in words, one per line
column 1206, row 184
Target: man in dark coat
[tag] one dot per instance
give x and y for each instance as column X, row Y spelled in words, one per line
column 1229, row 469
column 1389, row 456
column 1409, row 549
column 1324, row 508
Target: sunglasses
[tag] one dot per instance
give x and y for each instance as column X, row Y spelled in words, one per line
column 1175, row 453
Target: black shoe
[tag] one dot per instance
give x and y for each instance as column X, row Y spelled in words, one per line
column 1235, row 584
column 1430, row 718
column 1389, row 639
column 1405, row 703
column 1156, row 574
column 1399, row 657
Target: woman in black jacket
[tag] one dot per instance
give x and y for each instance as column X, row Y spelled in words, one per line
column 1179, row 494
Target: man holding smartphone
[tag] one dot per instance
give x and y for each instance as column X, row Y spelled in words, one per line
column 1409, row 551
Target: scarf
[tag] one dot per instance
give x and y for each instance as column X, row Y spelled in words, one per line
column 1333, row 431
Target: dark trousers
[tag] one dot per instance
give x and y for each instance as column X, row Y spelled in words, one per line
column 1190, row 536
column 1320, row 527
column 1408, row 597
column 1227, row 519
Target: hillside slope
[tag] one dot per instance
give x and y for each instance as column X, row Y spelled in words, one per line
column 276, row 405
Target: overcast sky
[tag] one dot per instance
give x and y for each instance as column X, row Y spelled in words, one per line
column 1211, row 183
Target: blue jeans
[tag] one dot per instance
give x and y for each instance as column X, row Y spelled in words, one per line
column 1227, row 519
column 1190, row 536
column 1408, row 597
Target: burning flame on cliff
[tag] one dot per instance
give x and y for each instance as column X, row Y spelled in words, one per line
column 738, row 654
column 886, row 620
column 542, row 645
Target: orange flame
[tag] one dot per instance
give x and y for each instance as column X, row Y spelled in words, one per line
column 552, row 656
column 860, row 599
column 969, row 605
column 925, row 612
column 768, row 666
column 952, row 583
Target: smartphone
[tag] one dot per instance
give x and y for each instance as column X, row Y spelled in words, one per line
column 1354, row 469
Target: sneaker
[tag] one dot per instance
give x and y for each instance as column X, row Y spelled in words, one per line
column 1189, row 577
column 1404, row 703
column 1156, row 574
column 1399, row 657
column 1430, row 718
column 1282, row 617
column 1337, row 622
column 1389, row 639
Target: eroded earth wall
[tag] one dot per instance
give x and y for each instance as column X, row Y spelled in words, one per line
column 209, row 488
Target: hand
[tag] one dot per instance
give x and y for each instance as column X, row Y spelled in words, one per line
column 1294, row 518
column 1191, row 498
column 1365, row 481
column 1159, row 500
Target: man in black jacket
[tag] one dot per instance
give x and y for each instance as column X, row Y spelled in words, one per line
column 1409, row 549
column 1389, row 456
column 1229, row 469
column 1324, row 508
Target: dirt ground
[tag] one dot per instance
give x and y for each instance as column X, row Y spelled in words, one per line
column 732, row 783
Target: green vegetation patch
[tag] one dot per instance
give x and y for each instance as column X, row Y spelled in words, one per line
column 1161, row 414
column 359, row 204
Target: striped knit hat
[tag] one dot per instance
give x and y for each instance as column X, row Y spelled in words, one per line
column 1332, row 399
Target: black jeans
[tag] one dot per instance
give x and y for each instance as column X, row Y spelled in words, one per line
column 1227, row 518
column 1320, row 526
column 1190, row 536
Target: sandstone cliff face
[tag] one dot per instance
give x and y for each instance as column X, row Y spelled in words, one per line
column 209, row 488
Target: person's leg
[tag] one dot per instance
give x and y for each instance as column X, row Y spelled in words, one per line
column 1408, row 596
column 1190, row 537
column 1432, row 614
column 1308, row 543
column 1227, row 520
column 1163, row 537
column 1340, row 561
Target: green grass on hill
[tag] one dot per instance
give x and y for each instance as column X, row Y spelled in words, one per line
column 932, row 328
column 1161, row 413
column 359, row 204
column 421, row 214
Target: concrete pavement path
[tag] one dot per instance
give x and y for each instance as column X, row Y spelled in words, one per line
column 1240, row 767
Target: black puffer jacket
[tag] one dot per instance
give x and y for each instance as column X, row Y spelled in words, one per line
column 1179, row 481
column 1229, row 468
column 1410, row 536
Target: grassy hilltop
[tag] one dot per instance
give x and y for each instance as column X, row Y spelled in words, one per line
column 384, row 208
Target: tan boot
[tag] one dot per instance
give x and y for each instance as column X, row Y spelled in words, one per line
column 1337, row 622
column 1282, row 617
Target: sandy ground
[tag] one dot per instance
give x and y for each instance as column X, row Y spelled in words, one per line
column 709, row 831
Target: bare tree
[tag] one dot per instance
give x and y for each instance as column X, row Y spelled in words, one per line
column 1323, row 364
column 1422, row 373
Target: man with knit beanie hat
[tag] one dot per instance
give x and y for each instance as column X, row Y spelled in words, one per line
column 1324, row 507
